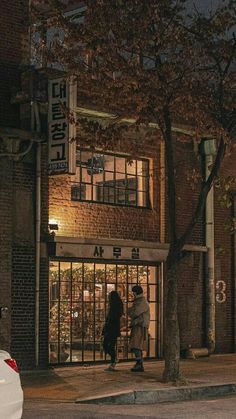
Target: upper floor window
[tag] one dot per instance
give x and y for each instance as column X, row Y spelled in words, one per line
column 111, row 179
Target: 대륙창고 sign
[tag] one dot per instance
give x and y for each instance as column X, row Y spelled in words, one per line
column 61, row 96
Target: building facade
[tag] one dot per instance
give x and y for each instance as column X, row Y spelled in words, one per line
column 110, row 230
column 103, row 226
column 17, row 191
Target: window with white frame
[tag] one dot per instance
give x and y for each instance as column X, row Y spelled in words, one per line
column 111, row 179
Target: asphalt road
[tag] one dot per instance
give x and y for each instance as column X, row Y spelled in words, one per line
column 222, row 408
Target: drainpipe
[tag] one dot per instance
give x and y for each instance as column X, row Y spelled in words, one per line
column 35, row 124
column 234, row 265
column 35, row 121
column 37, row 235
column 209, row 151
column 160, row 310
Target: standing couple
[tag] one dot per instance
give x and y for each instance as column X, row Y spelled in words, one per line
column 139, row 314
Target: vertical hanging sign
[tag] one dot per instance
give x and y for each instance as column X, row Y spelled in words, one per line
column 62, row 149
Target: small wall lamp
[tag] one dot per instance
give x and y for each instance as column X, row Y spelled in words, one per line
column 53, row 225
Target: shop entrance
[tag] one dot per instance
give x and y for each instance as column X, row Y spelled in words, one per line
column 78, row 303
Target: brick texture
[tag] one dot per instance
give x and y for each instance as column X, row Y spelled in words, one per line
column 23, row 262
column 23, row 287
column 6, row 197
column 225, row 268
column 93, row 220
column 17, row 193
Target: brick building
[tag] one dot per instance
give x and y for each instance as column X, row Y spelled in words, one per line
column 17, row 188
column 110, row 229
column 103, row 227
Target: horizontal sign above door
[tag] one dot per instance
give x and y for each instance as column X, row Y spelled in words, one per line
column 116, row 252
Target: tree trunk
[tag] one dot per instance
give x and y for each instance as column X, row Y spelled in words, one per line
column 171, row 340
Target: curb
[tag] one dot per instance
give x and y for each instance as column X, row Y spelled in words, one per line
column 162, row 395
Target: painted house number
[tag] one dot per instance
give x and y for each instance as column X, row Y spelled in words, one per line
column 220, row 291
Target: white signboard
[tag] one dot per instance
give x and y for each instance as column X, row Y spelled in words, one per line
column 115, row 252
column 62, row 151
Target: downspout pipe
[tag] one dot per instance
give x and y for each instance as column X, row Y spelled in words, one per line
column 37, row 236
column 209, row 150
column 35, row 121
column 234, row 262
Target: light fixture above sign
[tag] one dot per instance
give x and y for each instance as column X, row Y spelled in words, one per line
column 53, row 225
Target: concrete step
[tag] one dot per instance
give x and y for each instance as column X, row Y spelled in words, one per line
column 162, row 395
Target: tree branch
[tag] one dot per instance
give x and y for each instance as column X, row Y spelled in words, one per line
column 206, row 186
column 171, row 176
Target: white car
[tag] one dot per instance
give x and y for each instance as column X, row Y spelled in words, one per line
column 11, row 394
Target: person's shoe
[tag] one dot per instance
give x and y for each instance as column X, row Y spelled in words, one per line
column 138, row 367
column 110, row 368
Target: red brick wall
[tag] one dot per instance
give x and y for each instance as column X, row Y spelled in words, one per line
column 81, row 219
column 23, row 262
column 17, row 264
column 44, row 265
column 225, row 271
column 191, row 277
column 191, row 301
column 187, row 160
column 190, row 269
column 17, row 197
column 6, row 197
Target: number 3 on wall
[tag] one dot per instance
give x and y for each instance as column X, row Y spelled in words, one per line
column 220, row 291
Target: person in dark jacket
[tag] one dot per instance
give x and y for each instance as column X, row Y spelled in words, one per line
column 111, row 330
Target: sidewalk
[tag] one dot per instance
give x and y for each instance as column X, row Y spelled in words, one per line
column 215, row 375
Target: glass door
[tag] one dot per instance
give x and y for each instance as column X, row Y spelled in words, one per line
column 78, row 304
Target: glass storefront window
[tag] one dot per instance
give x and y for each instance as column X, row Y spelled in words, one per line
column 79, row 295
column 132, row 274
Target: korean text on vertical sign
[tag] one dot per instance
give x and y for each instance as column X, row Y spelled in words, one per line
column 61, row 149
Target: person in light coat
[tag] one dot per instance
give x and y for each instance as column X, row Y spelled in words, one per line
column 139, row 314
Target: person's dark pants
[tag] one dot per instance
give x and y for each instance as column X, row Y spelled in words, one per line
column 109, row 346
column 138, row 355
